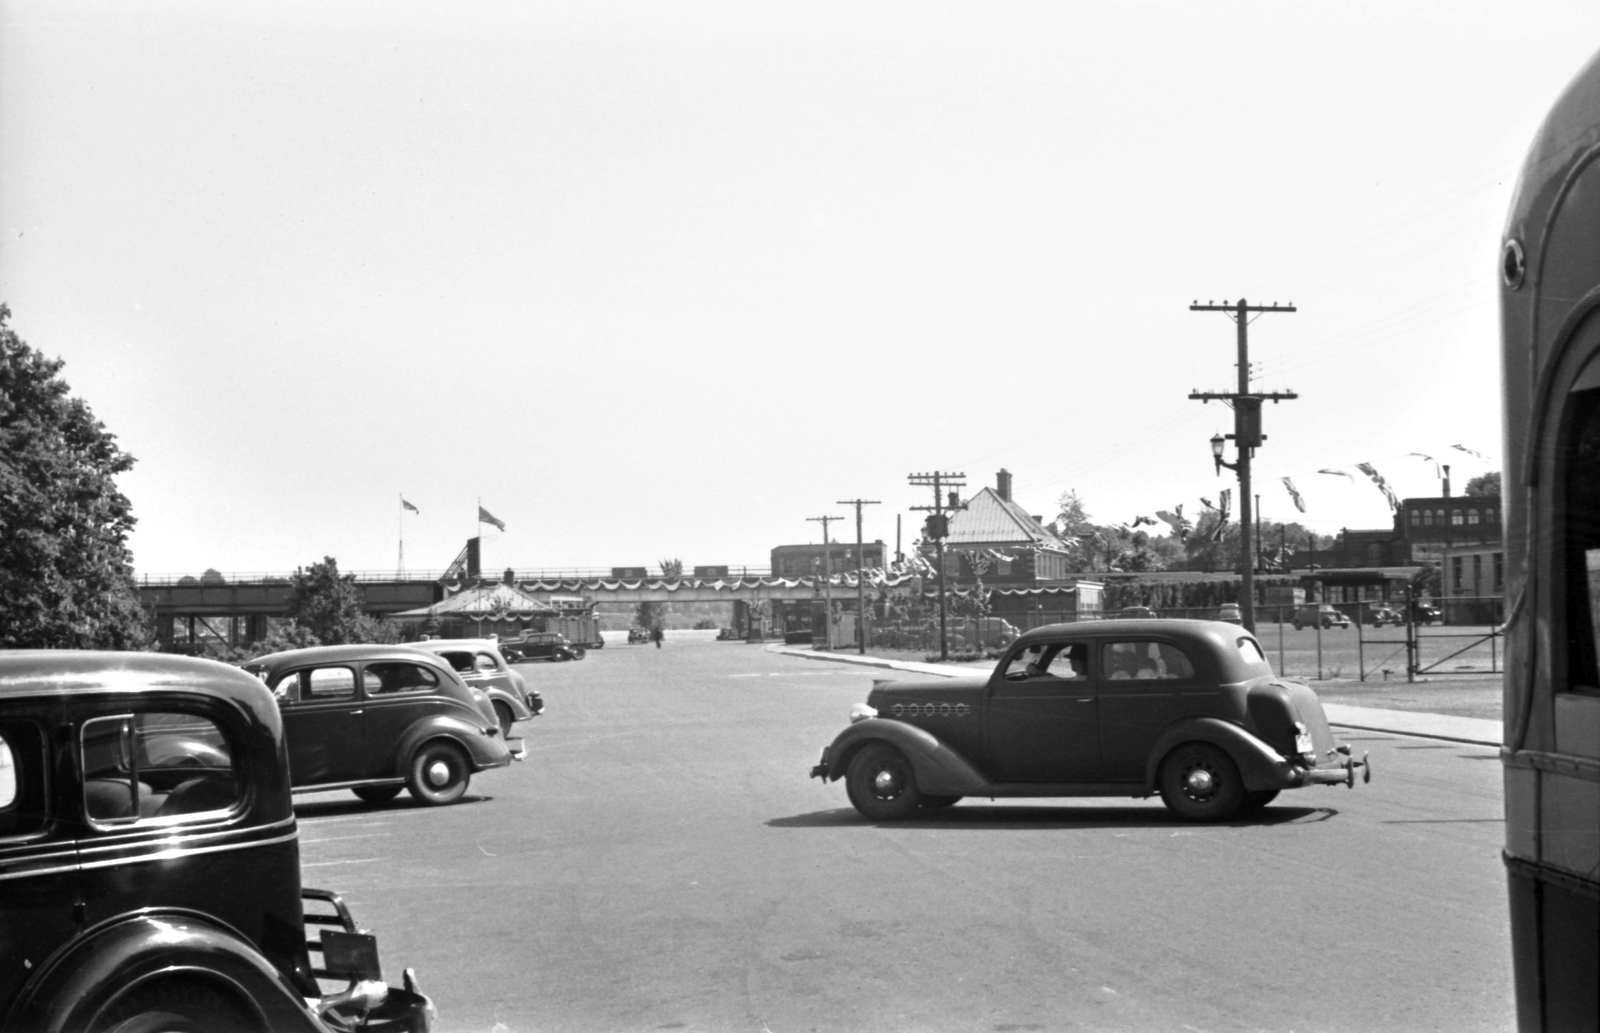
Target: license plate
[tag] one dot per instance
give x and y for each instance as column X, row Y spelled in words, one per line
column 1302, row 744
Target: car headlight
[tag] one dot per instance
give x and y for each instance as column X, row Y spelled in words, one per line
column 861, row 712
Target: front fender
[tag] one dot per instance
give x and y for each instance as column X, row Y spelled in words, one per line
column 482, row 751
column 1261, row 766
column 519, row 708
column 78, row 985
column 940, row 770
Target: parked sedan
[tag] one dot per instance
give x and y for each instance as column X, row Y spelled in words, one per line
column 1382, row 613
column 1323, row 613
column 1187, row 709
column 541, row 645
column 378, row 719
column 481, row 665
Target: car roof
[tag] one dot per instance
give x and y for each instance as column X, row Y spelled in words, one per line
column 438, row 645
column 1220, row 632
column 274, row 662
column 31, row 672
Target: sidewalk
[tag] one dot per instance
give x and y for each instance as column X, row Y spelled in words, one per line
column 1369, row 719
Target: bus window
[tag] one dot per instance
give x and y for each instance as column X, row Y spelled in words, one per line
column 1580, row 477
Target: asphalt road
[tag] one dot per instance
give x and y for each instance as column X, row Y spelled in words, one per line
column 662, row 862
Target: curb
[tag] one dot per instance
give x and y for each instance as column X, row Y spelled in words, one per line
column 1466, row 730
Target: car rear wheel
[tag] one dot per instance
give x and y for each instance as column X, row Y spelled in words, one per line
column 1199, row 782
column 439, row 774
column 177, row 1006
column 881, row 783
column 1297, row 625
column 504, row 715
column 1254, row 801
column 577, row 652
column 377, row 794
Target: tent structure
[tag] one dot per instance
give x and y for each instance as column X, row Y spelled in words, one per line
column 486, row 609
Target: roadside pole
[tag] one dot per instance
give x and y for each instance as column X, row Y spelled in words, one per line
column 937, row 528
column 861, row 574
column 827, row 579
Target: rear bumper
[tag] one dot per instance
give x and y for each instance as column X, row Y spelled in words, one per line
column 1341, row 773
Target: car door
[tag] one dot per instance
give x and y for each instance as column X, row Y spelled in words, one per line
column 397, row 693
column 323, row 724
column 1040, row 718
column 1140, row 684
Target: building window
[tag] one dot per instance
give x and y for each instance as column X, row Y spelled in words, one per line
column 1455, row 573
column 1499, row 571
column 1494, row 516
column 1427, row 518
column 1477, row 574
column 1416, row 517
column 1455, row 518
column 1472, row 516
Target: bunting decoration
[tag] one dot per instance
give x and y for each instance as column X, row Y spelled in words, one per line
column 1299, row 503
column 1206, row 502
column 1176, row 521
column 1421, row 455
column 1138, row 520
column 1339, row 473
column 1470, row 452
column 1225, row 500
column 1383, row 486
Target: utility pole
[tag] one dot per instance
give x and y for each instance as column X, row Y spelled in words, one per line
column 1247, row 436
column 938, row 528
column 827, row 576
column 861, row 577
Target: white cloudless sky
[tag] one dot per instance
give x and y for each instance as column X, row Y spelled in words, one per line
column 664, row 280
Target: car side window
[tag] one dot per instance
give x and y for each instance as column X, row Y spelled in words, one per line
column 327, row 683
column 155, row 766
column 394, row 676
column 459, row 660
column 1144, row 661
column 485, row 662
column 22, row 789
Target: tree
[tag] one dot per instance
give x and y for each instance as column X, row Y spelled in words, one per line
column 328, row 605
column 648, row 615
column 66, row 574
column 672, row 568
column 1484, row 484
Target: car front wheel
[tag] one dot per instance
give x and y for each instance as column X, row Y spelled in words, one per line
column 439, row 774
column 1199, row 782
column 503, row 714
column 881, row 783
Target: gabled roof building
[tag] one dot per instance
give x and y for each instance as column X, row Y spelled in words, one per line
column 995, row 539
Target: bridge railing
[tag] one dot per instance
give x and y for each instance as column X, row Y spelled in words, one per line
column 518, row 573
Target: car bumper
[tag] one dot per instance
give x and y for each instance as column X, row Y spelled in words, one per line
column 1341, row 772
column 821, row 768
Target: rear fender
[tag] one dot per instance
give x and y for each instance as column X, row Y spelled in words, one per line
column 1261, row 766
column 77, row 986
column 940, row 770
column 482, row 751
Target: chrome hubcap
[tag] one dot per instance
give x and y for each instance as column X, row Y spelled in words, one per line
column 1199, row 782
column 885, row 783
column 438, row 773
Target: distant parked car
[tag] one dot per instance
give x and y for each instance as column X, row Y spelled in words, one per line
column 1230, row 613
column 1187, row 709
column 378, row 719
column 1319, row 613
column 1382, row 614
column 481, row 665
column 1136, row 613
column 637, row 636
column 1425, row 613
column 541, row 645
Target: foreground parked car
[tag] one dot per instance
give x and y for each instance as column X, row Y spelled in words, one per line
column 378, row 719
column 481, row 665
column 151, row 861
column 1187, row 709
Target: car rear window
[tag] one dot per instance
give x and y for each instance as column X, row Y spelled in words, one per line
column 22, row 789
column 393, row 676
column 1250, row 650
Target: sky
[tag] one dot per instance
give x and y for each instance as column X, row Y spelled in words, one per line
column 652, row 281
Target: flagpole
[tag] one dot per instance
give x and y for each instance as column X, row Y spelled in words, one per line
column 400, row 569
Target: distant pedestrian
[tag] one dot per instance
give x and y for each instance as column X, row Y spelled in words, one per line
column 656, row 636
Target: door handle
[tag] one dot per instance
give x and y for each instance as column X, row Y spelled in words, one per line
column 355, row 713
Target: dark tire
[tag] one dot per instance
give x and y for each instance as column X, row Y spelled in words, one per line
column 1254, row 801
column 577, row 653
column 438, row 774
column 503, row 714
column 187, row 1006
column 1199, row 782
column 1297, row 625
column 881, row 783
column 377, row 794
column 935, row 802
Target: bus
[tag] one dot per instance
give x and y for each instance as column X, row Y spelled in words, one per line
column 1549, row 272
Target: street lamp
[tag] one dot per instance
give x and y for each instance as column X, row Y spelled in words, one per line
column 1216, row 454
